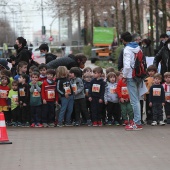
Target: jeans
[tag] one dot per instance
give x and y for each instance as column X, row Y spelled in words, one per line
column 66, row 108
column 132, row 86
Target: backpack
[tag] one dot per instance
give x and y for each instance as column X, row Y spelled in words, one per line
column 140, row 66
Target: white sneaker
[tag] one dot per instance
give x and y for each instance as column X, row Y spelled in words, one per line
column 154, row 123
column 161, row 123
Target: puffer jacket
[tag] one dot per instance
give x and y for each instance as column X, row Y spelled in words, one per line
column 164, row 56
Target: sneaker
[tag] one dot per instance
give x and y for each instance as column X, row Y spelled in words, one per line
column 39, row 125
column 33, row 125
column 27, row 124
column 125, row 123
column 99, row 123
column 51, row 124
column 89, row 123
column 59, row 125
column 45, row 125
column 131, row 122
column 133, row 127
column 68, row 124
column 161, row 123
column 19, row 124
column 95, row 123
column 154, row 123
column 77, row 124
column 116, row 123
column 14, row 124
column 109, row 123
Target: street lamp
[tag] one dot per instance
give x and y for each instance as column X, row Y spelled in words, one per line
column 123, row 7
column 161, row 17
column 148, row 21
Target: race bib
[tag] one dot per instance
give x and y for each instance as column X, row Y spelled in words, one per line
column 74, row 87
column 156, row 91
column 21, row 92
column 167, row 96
column 96, row 88
column 51, row 94
column 67, row 90
column 112, row 90
column 15, row 98
column 36, row 93
column 124, row 91
column 3, row 94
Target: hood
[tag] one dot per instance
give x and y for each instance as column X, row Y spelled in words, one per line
column 133, row 46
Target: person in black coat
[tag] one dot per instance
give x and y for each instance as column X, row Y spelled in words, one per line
column 164, row 56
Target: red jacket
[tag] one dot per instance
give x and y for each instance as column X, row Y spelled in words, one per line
column 4, row 90
column 42, row 79
column 49, row 92
column 121, row 90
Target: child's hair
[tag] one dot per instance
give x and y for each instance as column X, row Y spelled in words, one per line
column 21, row 64
column 15, row 82
column 6, row 73
column 51, row 71
column 8, row 80
column 86, row 69
column 88, row 74
column 158, row 75
column 36, row 70
column 42, row 65
column 111, row 74
column 98, row 70
column 152, row 68
column 167, row 74
column 26, row 77
column 61, row 72
column 76, row 71
column 118, row 73
column 35, row 73
column 32, row 68
column 109, row 69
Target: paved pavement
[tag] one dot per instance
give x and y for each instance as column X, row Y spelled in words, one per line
column 82, row 148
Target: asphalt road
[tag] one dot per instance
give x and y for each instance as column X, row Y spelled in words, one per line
column 82, row 148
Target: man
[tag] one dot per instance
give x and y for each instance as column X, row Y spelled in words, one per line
column 163, row 39
column 128, row 62
column 44, row 50
column 78, row 60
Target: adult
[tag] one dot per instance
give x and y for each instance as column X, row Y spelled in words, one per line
column 147, row 48
column 63, row 48
column 44, row 50
column 163, row 38
column 77, row 60
column 164, row 56
column 133, row 86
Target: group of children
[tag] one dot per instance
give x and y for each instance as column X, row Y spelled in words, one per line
column 48, row 98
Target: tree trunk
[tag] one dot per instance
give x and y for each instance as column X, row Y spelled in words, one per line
column 117, row 23
column 138, row 16
column 85, row 24
column 151, row 21
column 131, row 15
column 164, row 16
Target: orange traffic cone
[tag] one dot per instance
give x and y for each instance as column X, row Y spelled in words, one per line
column 3, row 132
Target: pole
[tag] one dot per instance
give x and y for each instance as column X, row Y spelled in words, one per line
column 148, row 27
column 157, row 22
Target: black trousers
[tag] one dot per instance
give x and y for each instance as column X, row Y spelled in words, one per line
column 149, row 114
column 35, row 114
column 16, row 114
column 157, row 111
column 48, row 112
column 7, row 115
column 113, row 111
column 80, row 107
column 25, row 114
column 96, row 109
column 167, row 110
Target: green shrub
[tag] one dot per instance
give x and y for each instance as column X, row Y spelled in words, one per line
column 117, row 53
column 87, row 50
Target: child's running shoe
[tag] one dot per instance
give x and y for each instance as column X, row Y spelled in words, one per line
column 89, row 123
column 39, row 125
column 51, row 124
column 45, row 125
column 19, row 124
column 116, row 123
column 161, row 123
column 154, row 123
column 68, row 124
column 33, row 125
column 125, row 123
column 99, row 123
column 109, row 123
column 95, row 123
column 59, row 125
column 14, row 124
column 27, row 124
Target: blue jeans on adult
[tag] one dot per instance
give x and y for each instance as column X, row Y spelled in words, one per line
column 66, row 108
column 132, row 86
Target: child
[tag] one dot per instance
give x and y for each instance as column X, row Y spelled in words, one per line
column 49, row 97
column 96, row 96
column 126, row 107
column 66, row 93
column 166, row 86
column 43, row 70
column 87, row 70
column 35, row 100
column 31, row 69
column 87, row 77
column 23, row 98
column 151, row 71
column 157, row 100
column 109, row 69
column 111, row 99
column 79, row 96
column 21, row 69
column 14, row 105
column 119, row 75
column 8, row 74
column 4, row 90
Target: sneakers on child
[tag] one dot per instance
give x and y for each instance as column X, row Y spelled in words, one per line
column 109, row 123
column 99, row 123
column 45, row 125
column 154, row 123
column 69, row 124
column 59, row 125
column 133, row 126
column 39, row 125
column 116, row 123
column 89, row 123
column 33, row 125
column 77, row 124
column 51, row 124
column 14, row 124
column 161, row 123
column 95, row 123
column 125, row 123
column 19, row 124
column 27, row 124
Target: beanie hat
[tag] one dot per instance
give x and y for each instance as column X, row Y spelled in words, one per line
column 4, row 63
column 126, row 37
